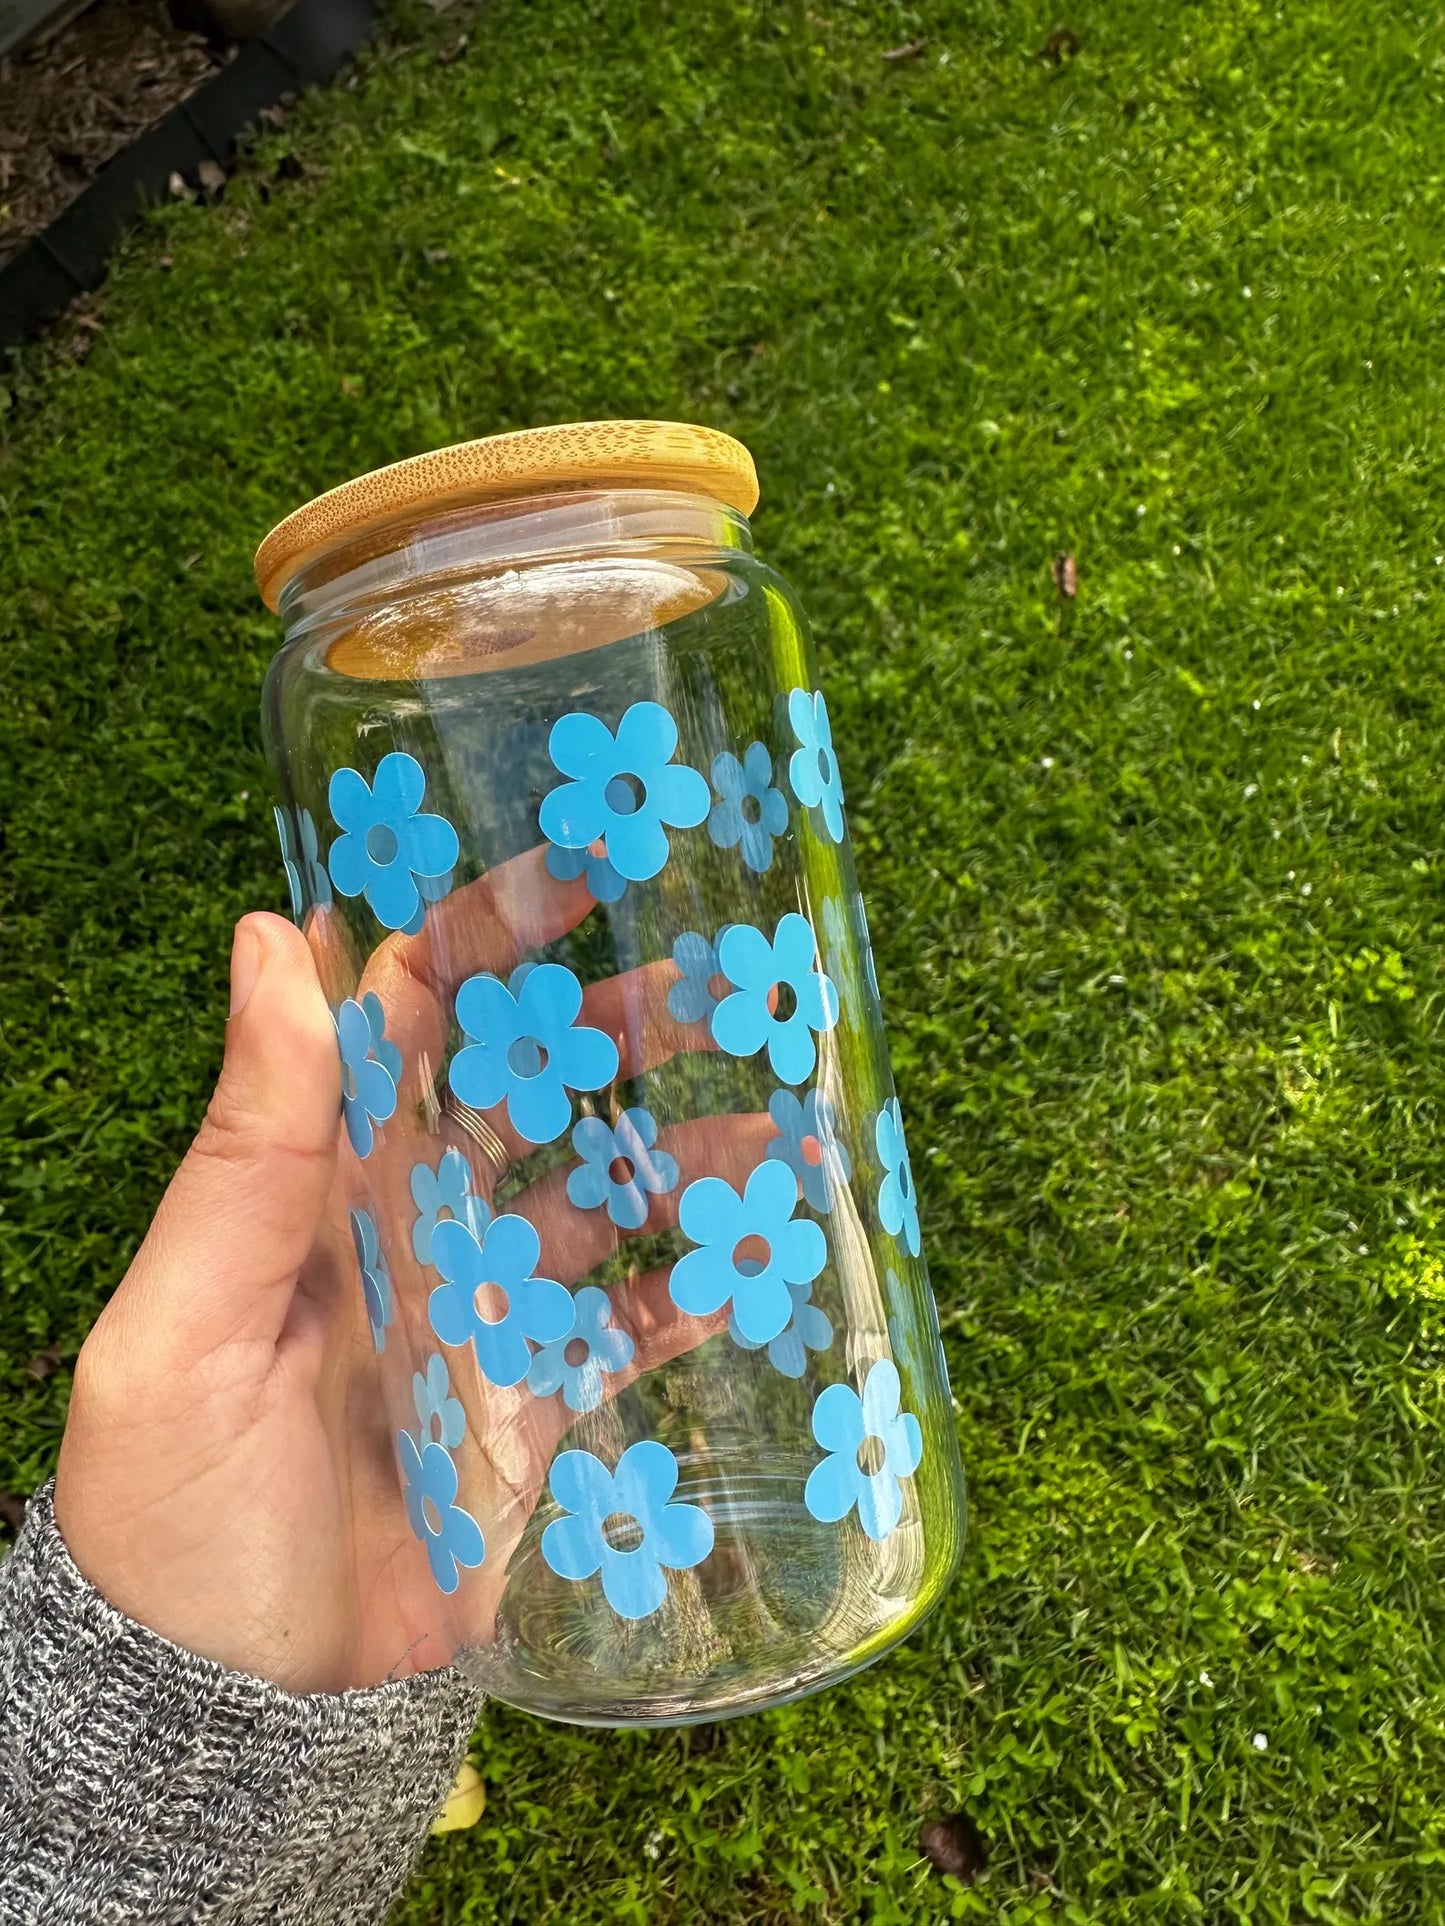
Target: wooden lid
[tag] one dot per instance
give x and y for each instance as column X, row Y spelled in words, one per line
column 587, row 454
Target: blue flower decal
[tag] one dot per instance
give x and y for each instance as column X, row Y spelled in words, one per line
column 807, row 1330
column 441, row 1194
column 897, row 1199
column 871, row 1445
column 370, row 1069
column 917, row 1346
column 835, row 931
column 287, row 839
column 593, row 863
column 439, row 1416
column 806, row 1000
column 491, row 1298
column 578, row 1362
column 623, row 1524
column 618, row 1164
column 375, row 1278
column 625, row 789
column 301, row 859
column 750, row 810
column 452, row 1537
column 390, row 853
column 870, row 969
column 693, row 998
column 524, row 1045
column 809, row 1144
column 750, row 1249
column 813, row 767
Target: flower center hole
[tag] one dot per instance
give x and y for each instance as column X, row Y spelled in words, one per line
column 621, row 1531
column 825, row 769
column 526, row 1057
column 431, row 1512
column 348, row 1083
column 785, row 1002
column 576, row 1352
column 491, row 1303
column 381, row 844
column 752, row 1255
column 812, row 1151
column 751, row 809
column 871, row 1457
column 621, row 1170
column 718, row 987
column 625, row 795
column 905, row 1180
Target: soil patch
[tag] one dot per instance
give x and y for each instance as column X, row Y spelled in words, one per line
column 75, row 100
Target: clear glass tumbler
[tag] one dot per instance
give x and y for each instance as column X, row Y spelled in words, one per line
column 635, row 1239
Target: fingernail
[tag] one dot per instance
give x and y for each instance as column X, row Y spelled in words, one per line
column 245, row 965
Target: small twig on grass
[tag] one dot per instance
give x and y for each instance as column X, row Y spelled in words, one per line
column 1064, row 573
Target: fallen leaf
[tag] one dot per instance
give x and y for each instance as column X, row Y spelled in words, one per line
column 954, row 1845
column 466, row 1802
column 910, row 50
column 1065, row 572
column 701, row 1739
column 178, row 188
column 1063, row 40
column 46, row 1363
column 212, row 177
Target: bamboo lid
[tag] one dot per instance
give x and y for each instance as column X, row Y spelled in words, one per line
column 587, row 454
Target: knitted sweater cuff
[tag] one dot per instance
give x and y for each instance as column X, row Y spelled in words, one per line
column 139, row 1782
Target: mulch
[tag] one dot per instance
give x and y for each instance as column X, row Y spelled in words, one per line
column 73, row 101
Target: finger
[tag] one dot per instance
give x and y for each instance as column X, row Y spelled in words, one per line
column 488, row 926
column 632, row 1009
column 484, row 927
column 512, row 1435
column 660, row 1332
column 575, row 1242
column 220, row 1261
column 333, row 952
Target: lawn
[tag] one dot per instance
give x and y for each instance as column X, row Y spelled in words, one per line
column 1155, row 873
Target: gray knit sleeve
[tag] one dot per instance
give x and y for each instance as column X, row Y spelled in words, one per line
column 140, row 1783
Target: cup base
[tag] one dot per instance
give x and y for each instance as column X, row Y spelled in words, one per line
column 708, row 1697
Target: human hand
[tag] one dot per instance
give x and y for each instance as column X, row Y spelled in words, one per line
column 228, row 1474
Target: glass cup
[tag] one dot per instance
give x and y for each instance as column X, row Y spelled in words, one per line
column 634, row 1238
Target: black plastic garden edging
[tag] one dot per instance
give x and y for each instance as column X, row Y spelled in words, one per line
column 308, row 44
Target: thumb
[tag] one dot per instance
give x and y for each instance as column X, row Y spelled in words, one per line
column 219, row 1262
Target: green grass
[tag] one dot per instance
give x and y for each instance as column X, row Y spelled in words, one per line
column 1157, row 882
